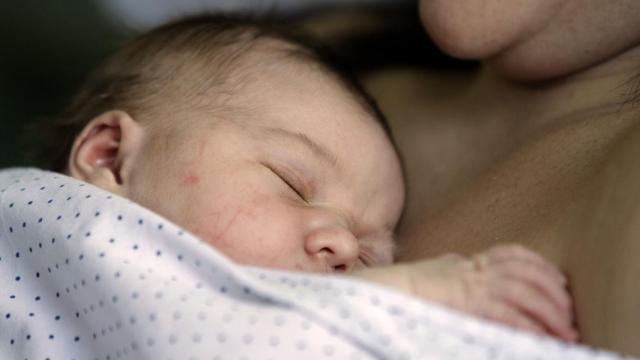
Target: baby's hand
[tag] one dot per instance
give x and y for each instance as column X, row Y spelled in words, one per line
column 509, row 284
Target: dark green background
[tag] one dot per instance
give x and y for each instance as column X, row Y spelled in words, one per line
column 46, row 49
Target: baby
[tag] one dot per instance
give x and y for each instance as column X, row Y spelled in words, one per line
column 255, row 140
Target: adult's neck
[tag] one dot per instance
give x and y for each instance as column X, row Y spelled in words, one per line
column 530, row 108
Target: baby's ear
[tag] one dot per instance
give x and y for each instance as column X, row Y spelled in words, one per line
column 104, row 148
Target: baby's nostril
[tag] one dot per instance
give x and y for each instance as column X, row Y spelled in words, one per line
column 340, row 268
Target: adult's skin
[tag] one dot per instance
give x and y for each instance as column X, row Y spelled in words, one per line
column 538, row 147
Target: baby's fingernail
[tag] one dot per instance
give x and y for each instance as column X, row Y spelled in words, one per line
column 574, row 336
column 569, row 306
column 562, row 277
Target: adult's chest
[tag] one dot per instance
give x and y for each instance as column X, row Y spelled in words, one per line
column 572, row 194
column 602, row 232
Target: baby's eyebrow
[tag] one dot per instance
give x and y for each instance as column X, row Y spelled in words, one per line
column 316, row 148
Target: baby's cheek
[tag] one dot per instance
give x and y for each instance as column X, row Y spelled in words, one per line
column 261, row 233
column 214, row 224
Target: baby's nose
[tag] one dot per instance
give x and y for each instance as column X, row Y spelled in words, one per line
column 335, row 247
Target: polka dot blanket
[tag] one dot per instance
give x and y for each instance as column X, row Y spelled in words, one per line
column 85, row 274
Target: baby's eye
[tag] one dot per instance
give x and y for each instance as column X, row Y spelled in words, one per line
column 292, row 186
column 291, row 181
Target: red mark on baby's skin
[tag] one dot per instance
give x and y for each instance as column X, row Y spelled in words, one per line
column 215, row 228
column 222, row 233
column 190, row 179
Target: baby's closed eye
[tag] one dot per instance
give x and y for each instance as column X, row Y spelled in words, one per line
column 291, row 179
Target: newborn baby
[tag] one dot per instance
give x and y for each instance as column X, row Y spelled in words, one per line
column 253, row 139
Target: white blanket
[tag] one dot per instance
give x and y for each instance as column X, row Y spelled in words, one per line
column 88, row 275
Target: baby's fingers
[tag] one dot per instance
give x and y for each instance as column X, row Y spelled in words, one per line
column 521, row 253
column 534, row 276
column 538, row 307
column 508, row 315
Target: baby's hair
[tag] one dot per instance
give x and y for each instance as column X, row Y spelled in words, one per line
column 184, row 59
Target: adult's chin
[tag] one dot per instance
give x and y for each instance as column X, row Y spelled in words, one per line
column 559, row 53
column 533, row 40
column 481, row 29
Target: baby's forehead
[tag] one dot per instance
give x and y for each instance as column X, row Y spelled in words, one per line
column 223, row 86
column 254, row 69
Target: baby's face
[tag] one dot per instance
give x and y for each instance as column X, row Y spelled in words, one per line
column 306, row 180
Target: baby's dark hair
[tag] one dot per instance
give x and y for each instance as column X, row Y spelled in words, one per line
column 186, row 58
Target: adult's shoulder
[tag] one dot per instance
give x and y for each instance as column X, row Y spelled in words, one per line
column 601, row 230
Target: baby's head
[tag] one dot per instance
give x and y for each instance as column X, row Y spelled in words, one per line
column 246, row 136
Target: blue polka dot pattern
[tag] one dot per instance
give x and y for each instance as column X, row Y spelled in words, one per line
column 89, row 275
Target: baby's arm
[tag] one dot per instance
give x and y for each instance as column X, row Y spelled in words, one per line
column 509, row 284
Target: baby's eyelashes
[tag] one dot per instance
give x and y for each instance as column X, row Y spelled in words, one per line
column 292, row 180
